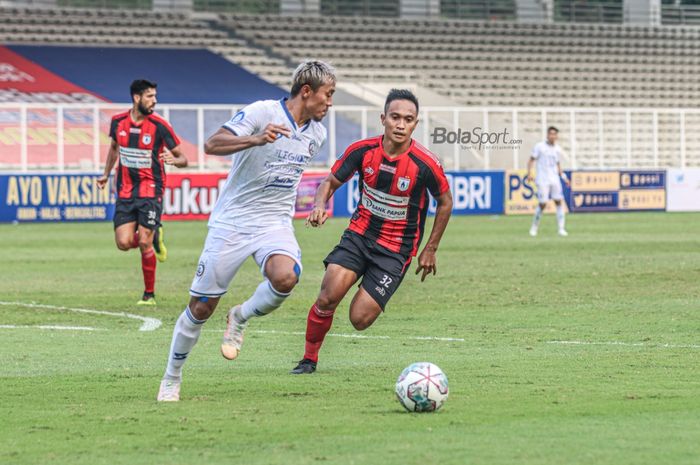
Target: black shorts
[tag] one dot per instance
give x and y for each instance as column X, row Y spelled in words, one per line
column 143, row 210
column 381, row 269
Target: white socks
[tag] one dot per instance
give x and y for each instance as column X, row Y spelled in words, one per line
column 185, row 335
column 537, row 217
column 263, row 301
column 560, row 217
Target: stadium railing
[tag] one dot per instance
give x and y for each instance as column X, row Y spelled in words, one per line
column 680, row 14
column 75, row 136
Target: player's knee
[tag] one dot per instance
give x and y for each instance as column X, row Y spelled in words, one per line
column 284, row 282
column 202, row 308
column 145, row 244
column 361, row 322
column 326, row 301
column 123, row 244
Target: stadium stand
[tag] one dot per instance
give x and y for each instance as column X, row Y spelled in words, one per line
column 128, row 28
column 498, row 63
column 467, row 63
column 107, row 70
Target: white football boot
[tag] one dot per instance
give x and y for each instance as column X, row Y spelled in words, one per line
column 169, row 391
column 233, row 336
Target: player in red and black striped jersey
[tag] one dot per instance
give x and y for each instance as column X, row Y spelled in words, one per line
column 396, row 174
column 143, row 143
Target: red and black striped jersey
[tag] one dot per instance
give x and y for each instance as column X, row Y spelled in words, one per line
column 141, row 172
column 393, row 192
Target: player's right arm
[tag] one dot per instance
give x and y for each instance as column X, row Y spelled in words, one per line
column 343, row 169
column 109, row 165
column 531, row 163
column 225, row 142
column 325, row 191
column 248, row 128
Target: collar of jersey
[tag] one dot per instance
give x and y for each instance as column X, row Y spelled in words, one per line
column 385, row 155
column 134, row 123
column 291, row 119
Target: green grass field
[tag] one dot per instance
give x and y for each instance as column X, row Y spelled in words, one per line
column 625, row 287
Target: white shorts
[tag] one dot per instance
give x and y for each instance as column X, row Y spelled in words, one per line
column 225, row 251
column 552, row 190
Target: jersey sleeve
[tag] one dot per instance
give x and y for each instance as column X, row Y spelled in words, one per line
column 535, row 152
column 349, row 163
column 436, row 180
column 250, row 120
column 113, row 129
column 169, row 137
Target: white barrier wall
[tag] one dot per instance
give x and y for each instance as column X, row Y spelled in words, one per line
column 683, row 190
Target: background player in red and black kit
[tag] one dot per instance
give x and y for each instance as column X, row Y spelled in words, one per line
column 396, row 174
column 144, row 143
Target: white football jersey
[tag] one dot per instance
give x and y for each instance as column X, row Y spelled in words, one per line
column 261, row 189
column 547, row 156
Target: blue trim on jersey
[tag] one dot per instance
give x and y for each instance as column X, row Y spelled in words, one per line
column 199, row 294
column 286, row 110
column 229, row 129
column 281, row 186
column 306, row 126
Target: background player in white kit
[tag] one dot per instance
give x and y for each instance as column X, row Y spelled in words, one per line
column 273, row 141
column 547, row 156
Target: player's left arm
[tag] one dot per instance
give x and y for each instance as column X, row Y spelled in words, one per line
column 172, row 150
column 563, row 175
column 174, row 157
column 427, row 261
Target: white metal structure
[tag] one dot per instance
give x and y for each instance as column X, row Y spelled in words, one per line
column 61, row 137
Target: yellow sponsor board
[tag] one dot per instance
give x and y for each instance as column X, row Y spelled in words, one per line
column 54, row 190
column 521, row 195
column 643, row 199
column 595, row 181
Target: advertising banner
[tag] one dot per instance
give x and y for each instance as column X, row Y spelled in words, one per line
column 76, row 197
column 521, row 195
column 60, row 197
column 601, row 191
column 473, row 193
column 683, row 190
column 192, row 196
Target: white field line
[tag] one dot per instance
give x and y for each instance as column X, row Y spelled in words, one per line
column 149, row 324
column 625, row 344
column 350, row 336
column 66, row 328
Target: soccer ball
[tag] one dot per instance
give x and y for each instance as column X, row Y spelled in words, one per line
column 422, row 387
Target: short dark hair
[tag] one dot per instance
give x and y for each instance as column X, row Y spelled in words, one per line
column 400, row 94
column 139, row 86
column 552, row 128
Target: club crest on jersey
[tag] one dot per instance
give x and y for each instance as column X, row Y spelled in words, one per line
column 146, row 139
column 313, row 148
column 403, row 183
column 238, row 117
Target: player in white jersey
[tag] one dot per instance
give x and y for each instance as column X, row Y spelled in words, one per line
column 272, row 142
column 547, row 155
